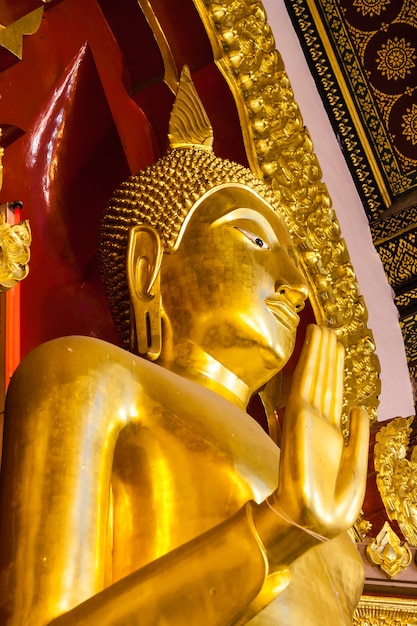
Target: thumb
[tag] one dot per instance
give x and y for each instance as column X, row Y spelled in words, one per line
column 351, row 483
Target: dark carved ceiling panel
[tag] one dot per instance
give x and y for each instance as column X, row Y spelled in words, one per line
column 363, row 54
column 378, row 52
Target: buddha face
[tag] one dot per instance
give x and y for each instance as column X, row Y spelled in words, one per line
column 232, row 286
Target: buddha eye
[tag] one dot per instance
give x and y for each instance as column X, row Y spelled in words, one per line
column 258, row 241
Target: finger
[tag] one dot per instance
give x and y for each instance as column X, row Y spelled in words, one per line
column 336, row 406
column 351, row 485
column 321, row 372
column 305, row 372
column 329, row 380
column 327, row 369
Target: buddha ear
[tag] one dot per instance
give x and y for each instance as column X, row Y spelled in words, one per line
column 143, row 264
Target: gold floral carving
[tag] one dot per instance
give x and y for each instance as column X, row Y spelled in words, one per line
column 14, row 252
column 388, row 553
column 1, row 162
column 11, row 36
column 385, row 611
column 280, row 150
column 396, row 58
column 409, row 124
column 14, row 245
column 371, row 7
column 396, row 476
column 360, row 528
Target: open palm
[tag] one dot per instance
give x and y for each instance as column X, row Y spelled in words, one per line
column 322, row 480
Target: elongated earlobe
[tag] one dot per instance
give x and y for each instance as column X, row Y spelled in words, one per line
column 143, row 263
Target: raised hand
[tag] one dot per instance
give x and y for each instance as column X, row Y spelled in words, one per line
column 322, row 480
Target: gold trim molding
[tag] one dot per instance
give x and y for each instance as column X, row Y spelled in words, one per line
column 280, row 150
column 385, row 611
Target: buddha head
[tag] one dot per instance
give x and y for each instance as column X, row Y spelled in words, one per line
column 195, row 257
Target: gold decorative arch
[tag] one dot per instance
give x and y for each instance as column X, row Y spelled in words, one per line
column 280, row 150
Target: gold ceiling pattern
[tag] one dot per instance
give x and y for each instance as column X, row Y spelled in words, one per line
column 380, row 43
column 364, row 56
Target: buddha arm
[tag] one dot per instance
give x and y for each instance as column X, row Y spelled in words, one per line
column 58, row 452
column 209, row 581
column 219, row 578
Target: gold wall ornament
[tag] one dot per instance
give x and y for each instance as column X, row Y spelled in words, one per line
column 388, row 552
column 11, row 36
column 280, row 149
column 14, row 252
column 396, row 476
column 14, row 244
column 1, row 162
column 385, row 611
column 361, row 528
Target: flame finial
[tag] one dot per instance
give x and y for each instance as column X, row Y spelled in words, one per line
column 189, row 124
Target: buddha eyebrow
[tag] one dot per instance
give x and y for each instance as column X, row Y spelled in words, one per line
column 254, row 237
column 251, row 221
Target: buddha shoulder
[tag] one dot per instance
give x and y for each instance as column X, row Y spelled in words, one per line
column 80, row 368
column 94, row 381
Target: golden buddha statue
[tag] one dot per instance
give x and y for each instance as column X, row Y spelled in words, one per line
column 135, row 487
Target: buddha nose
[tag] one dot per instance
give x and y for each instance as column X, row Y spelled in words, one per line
column 295, row 294
column 293, row 287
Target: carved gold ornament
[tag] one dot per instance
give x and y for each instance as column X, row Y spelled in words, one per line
column 397, row 476
column 388, row 553
column 11, row 36
column 14, row 245
column 280, row 150
column 1, row 162
column 361, row 528
column 385, row 611
column 14, row 252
